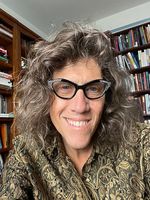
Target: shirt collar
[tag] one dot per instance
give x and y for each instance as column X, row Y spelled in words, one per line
column 55, row 148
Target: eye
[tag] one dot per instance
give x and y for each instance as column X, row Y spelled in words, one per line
column 94, row 88
column 63, row 87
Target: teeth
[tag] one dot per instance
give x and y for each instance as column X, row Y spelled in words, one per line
column 77, row 123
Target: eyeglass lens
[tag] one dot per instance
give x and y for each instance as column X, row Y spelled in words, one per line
column 66, row 89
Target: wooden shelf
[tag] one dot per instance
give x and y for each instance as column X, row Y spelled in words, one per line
column 140, row 93
column 14, row 47
column 132, row 49
column 7, row 92
column 6, row 119
column 136, row 38
column 140, row 70
column 4, row 150
column 146, row 116
column 5, row 65
column 5, row 40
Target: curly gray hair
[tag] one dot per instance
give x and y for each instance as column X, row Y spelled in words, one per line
column 72, row 43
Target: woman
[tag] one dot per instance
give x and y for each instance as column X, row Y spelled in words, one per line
column 77, row 131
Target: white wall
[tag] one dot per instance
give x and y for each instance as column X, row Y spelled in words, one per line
column 114, row 22
column 124, row 19
column 22, row 20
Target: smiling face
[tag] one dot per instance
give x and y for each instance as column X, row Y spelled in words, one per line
column 76, row 119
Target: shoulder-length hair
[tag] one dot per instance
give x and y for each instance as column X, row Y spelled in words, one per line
column 72, row 43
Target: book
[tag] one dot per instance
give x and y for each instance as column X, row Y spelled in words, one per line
column 1, row 164
column 143, row 105
column 133, row 64
column 4, row 135
column 5, row 30
column 3, row 104
column 7, row 115
column 147, row 102
column 3, row 58
column 135, row 59
column 137, row 41
column 147, row 28
column 6, row 75
column 127, row 62
column 142, row 34
column 132, row 87
column 3, row 51
column 5, row 82
column 1, row 145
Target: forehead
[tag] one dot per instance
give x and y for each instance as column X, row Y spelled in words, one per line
column 82, row 71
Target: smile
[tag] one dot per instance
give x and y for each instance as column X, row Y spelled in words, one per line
column 77, row 123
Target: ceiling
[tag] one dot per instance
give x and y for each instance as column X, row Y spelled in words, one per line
column 43, row 14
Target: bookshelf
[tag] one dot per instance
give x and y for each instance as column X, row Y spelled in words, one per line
column 15, row 42
column 132, row 52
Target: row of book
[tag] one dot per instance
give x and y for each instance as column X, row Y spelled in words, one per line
column 134, row 37
column 134, row 60
column 4, row 136
column 140, row 81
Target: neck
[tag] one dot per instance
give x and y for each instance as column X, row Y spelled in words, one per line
column 79, row 157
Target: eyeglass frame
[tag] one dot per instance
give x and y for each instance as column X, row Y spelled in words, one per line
column 77, row 87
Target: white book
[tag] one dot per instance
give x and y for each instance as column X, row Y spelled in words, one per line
column 132, row 89
column 127, row 62
column 147, row 102
column 7, row 115
column 5, row 82
column 139, row 57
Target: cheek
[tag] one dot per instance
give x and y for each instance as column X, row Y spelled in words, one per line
column 54, row 108
column 57, row 106
column 97, row 109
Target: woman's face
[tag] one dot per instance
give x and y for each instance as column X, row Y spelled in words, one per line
column 76, row 119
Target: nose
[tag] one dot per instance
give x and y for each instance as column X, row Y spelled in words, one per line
column 79, row 103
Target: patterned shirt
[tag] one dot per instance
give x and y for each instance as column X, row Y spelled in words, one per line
column 110, row 173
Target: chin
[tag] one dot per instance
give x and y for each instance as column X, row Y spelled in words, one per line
column 79, row 145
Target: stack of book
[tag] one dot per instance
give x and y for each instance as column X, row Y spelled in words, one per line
column 3, row 54
column 5, row 30
column 5, row 80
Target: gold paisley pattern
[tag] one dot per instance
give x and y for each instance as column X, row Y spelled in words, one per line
column 109, row 174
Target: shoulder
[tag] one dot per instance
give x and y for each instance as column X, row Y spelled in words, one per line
column 140, row 134
column 144, row 135
column 136, row 145
column 32, row 147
